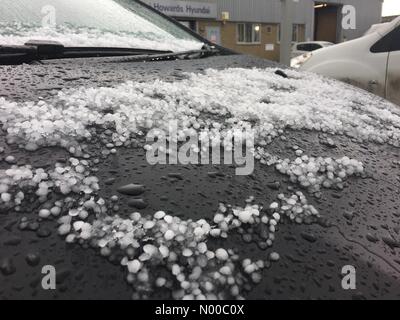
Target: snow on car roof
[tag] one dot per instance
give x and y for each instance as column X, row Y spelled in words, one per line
column 213, row 102
column 384, row 28
column 319, row 42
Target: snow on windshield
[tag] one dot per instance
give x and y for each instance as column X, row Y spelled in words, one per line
column 19, row 34
column 214, row 102
column 100, row 23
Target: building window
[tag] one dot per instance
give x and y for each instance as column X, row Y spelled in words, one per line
column 296, row 34
column 248, row 33
column 192, row 25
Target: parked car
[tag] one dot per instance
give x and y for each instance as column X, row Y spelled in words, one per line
column 88, row 103
column 371, row 62
column 301, row 48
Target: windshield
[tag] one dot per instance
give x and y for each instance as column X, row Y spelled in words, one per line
column 91, row 23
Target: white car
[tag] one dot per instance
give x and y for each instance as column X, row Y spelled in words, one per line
column 375, row 27
column 371, row 62
column 304, row 47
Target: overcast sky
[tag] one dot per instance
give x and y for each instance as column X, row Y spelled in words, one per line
column 391, row 7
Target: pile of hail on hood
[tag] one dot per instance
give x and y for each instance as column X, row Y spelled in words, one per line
column 212, row 105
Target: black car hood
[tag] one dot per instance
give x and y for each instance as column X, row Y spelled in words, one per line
column 360, row 225
column 29, row 82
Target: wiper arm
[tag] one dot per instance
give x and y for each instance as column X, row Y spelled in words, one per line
column 43, row 50
column 204, row 52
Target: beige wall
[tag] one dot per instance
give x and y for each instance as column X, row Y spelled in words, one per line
column 228, row 38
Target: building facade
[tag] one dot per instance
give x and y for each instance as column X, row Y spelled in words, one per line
column 253, row 26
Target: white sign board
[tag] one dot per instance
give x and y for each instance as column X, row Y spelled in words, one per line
column 188, row 9
column 269, row 47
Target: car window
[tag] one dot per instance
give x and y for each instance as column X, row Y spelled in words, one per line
column 315, row 46
column 91, row 23
column 303, row 47
column 390, row 42
column 308, row 47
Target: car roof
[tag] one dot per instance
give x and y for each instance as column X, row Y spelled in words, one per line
column 314, row 42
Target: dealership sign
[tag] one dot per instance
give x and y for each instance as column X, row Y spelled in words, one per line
column 188, row 9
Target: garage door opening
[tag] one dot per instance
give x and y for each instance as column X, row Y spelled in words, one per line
column 326, row 22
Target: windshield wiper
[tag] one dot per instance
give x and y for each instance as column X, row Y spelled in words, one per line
column 205, row 52
column 44, row 50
